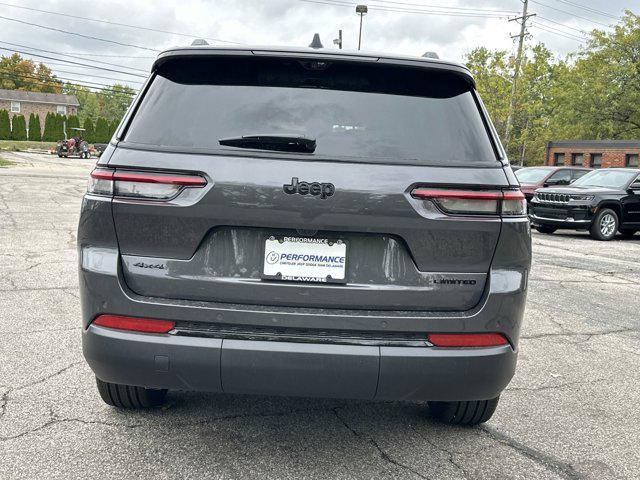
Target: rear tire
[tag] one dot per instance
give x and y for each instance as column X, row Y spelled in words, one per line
column 546, row 229
column 467, row 413
column 604, row 225
column 127, row 396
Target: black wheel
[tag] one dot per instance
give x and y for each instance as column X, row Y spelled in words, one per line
column 627, row 233
column 126, row 396
column 469, row 413
column 604, row 225
column 545, row 229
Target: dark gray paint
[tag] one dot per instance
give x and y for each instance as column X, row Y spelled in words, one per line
column 297, row 369
column 372, row 201
column 380, row 275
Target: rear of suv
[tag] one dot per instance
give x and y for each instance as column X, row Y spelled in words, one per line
column 306, row 223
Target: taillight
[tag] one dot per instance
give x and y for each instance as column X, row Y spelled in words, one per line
column 467, row 339
column 474, row 202
column 141, row 185
column 514, row 203
column 134, row 324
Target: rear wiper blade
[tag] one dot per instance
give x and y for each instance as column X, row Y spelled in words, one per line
column 279, row 143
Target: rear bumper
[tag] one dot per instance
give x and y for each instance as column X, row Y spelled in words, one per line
column 297, row 369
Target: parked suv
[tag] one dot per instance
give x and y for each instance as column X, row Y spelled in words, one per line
column 532, row 178
column 303, row 222
column 603, row 202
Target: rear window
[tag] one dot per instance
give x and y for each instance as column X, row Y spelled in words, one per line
column 353, row 110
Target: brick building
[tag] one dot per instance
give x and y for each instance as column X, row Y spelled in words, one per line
column 19, row 102
column 593, row 153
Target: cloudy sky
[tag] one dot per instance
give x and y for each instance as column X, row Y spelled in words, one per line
column 450, row 27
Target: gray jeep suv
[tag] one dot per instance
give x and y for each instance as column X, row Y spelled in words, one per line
column 304, row 222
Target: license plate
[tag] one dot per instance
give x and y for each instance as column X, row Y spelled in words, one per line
column 300, row 259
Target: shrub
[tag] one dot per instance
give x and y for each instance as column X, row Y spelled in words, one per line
column 72, row 122
column 60, row 127
column 89, row 133
column 35, row 134
column 102, row 131
column 5, row 125
column 113, row 126
column 18, row 128
column 49, row 128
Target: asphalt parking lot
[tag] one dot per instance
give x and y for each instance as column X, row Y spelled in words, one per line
column 570, row 412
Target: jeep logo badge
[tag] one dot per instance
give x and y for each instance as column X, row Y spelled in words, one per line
column 322, row 190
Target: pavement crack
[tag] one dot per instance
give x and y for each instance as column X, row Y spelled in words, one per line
column 4, row 400
column 451, row 455
column 382, row 452
column 3, row 403
column 555, row 387
column 589, row 335
column 549, row 462
column 48, row 377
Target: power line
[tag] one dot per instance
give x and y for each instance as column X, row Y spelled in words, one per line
column 590, row 9
column 66, row 15
column 142, row 57
column 89, row 83
column 57, row 79
column 92, row 75
column 72, row 56
column 568, row 13
column 53, row 66
column 101, row 91
column 446, row 8
column 69, row 61
column 90, row 37
column 561, row 24
column 558, row 32
column 406, row 10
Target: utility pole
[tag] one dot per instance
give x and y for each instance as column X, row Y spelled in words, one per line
column 362, row 11
column 338, row 41
column 514, row 84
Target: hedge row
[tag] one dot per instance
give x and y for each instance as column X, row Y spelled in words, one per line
column 54, row 126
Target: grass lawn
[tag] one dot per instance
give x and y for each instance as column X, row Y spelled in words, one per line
column 5, row 163
column 17, row 146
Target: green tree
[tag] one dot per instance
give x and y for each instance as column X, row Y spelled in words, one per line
column 113, row 126
column 593, row 94
column 60, row 127
column 73, row 122
column 602, row 92
column 18, row 73
column 18, row 128
column 110, row 103
column 492, row 72
column 49, row 134
column 35, row 133
column 5, row 125
column 102, row 130
column 89, row 133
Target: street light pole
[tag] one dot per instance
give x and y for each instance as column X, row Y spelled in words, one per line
column 362, row 11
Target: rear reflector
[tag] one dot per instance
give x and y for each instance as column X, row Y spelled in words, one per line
column 467, row 339
column 141, row 185
column 134, row 324
column 474, row 202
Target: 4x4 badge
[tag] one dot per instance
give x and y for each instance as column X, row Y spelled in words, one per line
column 322, row 190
